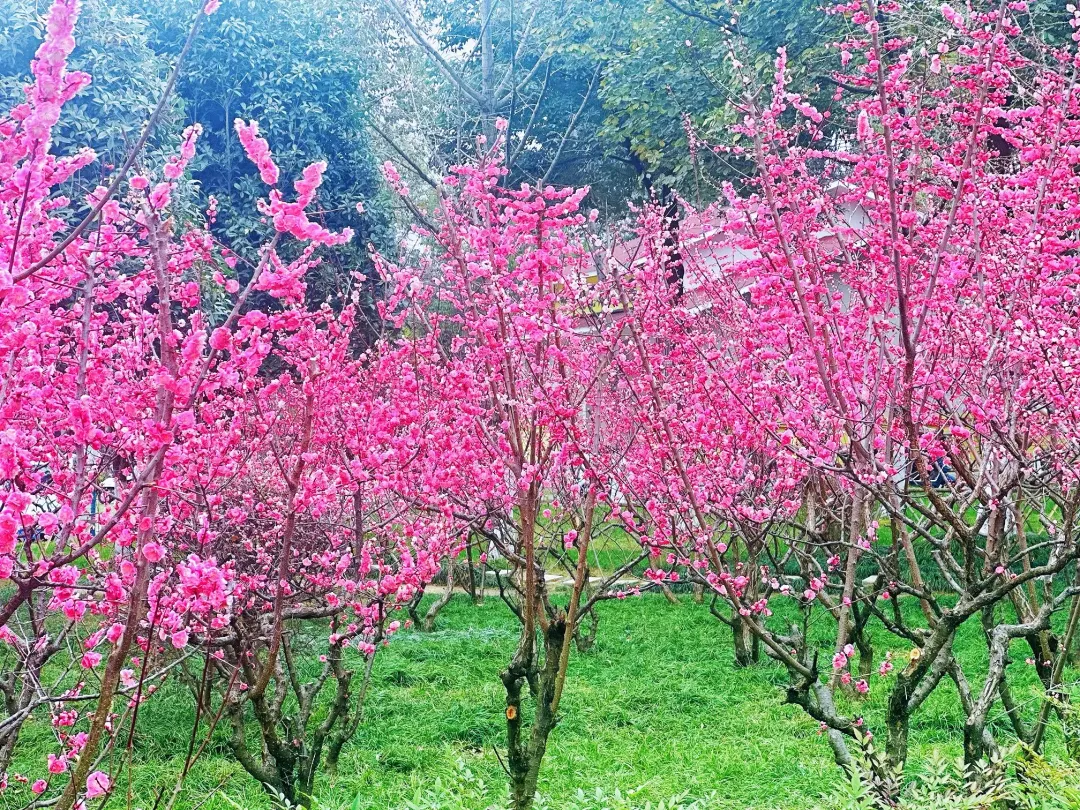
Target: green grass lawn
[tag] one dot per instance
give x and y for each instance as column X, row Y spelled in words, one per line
column 657, row 705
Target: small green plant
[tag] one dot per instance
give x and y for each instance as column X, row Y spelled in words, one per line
column 460, row 790
column 944, row 785
column 1032, row 783
column 465, row 790
column 947, row 785
column 1044, row 785
column 617, row 800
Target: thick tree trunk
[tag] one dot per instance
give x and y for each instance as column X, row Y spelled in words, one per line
column 525, row 756
column 413, row 608
column 866, row 654
column 747, row 649
column 897, row 722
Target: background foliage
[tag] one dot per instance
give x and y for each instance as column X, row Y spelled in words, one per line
column 290, row 64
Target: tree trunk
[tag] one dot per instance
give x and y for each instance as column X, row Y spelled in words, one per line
column 584, row 639
column 897, row 722
column 428, row 624
column 866, row 654
column 746, row 646
column 470, row 584
column 524, row 757
column 856, row 533
column 664, row 589
column 413, row 609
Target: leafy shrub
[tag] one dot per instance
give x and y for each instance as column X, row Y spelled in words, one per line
column 1032, row 783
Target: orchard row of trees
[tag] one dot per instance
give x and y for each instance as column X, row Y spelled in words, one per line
column 861, row 411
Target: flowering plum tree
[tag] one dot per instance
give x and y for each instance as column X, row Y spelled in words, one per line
column 876, row 384
column 527, row 343
column 171, row 486
column 329, row 512
column 865, row 410
column 99, row 387
column 332, row 508
column 695, row 465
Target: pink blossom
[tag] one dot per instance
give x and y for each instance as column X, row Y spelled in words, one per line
column 97, row 784
column 863, row 129
column 258, row 150
column 153, row 552
column 952, row 15
column 160, row 196
column 220, row 339
column 90, row 659
column 9, row 528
